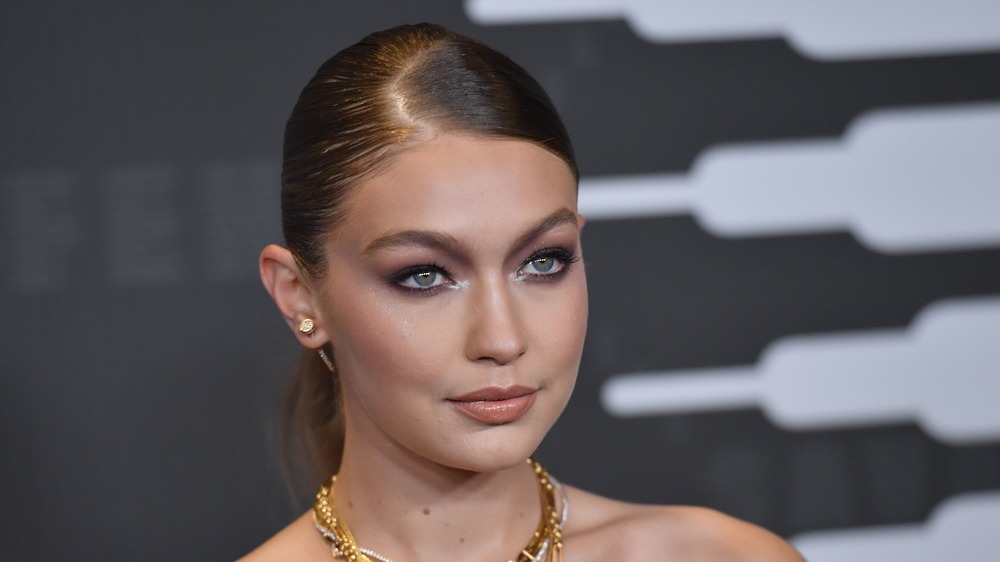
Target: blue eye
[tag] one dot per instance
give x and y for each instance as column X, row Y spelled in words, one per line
column 544, row 264
column 423, row 279
column 420, row 278
column 547, row 263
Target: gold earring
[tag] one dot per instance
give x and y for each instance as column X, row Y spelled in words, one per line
column 307, row 326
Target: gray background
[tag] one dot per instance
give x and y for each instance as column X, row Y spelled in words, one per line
column 142, row 363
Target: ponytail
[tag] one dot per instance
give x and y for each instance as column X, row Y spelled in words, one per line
column 311, row 431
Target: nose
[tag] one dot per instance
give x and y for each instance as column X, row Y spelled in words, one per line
column 495, row 330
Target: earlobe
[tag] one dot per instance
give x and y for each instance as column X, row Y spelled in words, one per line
column 291, row 292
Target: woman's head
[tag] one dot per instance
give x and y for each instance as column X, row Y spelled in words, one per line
column 392, row 90
column 454, row 303
column 382, row 108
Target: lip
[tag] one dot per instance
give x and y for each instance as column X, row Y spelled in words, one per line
column 494, row 405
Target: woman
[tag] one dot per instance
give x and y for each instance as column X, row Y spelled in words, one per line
column 433, row 272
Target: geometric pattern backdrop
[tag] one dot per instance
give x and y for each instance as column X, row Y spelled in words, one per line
column 793, row 251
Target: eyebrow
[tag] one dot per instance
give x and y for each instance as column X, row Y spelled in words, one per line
column 448, row 243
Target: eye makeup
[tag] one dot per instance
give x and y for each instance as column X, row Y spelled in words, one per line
column 423, row 279
column 546, row 265
column 549, row 264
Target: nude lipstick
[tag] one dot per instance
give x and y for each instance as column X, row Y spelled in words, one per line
column 496, row 406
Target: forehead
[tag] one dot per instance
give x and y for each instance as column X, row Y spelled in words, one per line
column 462, row 185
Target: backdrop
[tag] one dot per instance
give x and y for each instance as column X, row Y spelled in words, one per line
column 793, row 249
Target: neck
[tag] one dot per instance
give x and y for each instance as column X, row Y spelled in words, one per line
column 411, row 509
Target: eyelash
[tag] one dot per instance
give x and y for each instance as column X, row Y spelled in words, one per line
column 565, row 258
column 402, row 275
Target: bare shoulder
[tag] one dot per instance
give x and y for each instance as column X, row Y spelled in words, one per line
column 298, row 541
column 603, row 529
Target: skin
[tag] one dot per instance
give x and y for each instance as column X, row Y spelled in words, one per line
column 457, row 269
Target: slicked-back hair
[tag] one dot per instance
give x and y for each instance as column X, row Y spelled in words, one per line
column 365, row 105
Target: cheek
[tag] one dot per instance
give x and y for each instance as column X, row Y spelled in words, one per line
column 375, row 340
column 579, row 311
column 566, row 329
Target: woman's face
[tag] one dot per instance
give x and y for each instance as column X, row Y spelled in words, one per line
column 456, row 303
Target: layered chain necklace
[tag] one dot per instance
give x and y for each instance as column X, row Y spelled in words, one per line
column 545, row 545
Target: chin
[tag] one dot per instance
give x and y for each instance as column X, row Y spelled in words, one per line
column 493, row 455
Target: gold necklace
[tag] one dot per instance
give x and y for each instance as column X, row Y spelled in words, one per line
column 545, row 545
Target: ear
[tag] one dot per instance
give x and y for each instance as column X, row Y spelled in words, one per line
column 288, row 287
column 580, row 221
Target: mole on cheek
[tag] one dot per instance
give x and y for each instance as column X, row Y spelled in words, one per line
column 427, row 511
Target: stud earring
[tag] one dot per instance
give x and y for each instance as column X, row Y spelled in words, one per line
column 308, row 326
